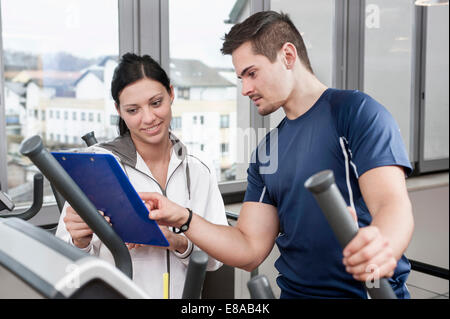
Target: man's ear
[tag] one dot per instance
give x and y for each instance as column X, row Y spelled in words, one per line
column 289, row 55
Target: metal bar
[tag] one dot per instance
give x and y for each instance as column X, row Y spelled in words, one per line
column 195, row 275
column 3, row 137
column 429, row 269
column 49, row 166
column 334, row 207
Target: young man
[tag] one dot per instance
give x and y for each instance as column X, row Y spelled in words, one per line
column 345, row 131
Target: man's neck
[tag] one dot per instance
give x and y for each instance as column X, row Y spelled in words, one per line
column 307, row 90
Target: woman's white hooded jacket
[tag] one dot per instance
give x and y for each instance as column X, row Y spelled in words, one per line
column 191, row 182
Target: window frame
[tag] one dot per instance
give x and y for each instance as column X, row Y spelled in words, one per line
column 3, row 147
column 421, row 28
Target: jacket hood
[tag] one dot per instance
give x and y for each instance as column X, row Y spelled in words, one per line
column 124, row 148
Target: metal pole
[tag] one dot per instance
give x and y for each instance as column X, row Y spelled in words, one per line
column 334, row 207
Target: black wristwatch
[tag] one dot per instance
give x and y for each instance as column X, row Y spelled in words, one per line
column 185, row 226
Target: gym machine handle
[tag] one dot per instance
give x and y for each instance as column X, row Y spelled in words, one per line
column 49, row 166
column 38, row 197
column 195, row 275
column 334, row 207
column 89, row 139
column 259, row 288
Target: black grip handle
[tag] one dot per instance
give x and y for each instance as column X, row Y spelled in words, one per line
column 38, row 197
column 259, row 288
column 195, row 275
column 89, row 138
column 334, row 207
column 55, row 173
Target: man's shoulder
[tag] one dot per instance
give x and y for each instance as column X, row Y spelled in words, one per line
column 340, row 99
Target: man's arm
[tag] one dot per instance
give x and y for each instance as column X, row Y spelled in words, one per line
column 245, row 246
column 384, row 241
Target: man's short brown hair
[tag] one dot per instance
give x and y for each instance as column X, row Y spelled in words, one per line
column 267, row 31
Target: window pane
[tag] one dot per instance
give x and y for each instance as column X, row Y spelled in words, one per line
column 388, row 58
column 436, row 85
column 205, row 82
column 59, row 57
column 314, row 19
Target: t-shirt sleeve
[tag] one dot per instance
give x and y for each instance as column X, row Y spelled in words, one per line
column 373, row 135
column 256, row 188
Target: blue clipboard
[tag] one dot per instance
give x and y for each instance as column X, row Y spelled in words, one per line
column 104, row 182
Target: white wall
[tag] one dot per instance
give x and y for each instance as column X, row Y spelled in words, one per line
column 90, row 87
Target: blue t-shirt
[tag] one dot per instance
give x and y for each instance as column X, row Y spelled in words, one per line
column 349, row 133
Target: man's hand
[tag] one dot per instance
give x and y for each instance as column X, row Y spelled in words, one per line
column 369, row 256
column 164, row 211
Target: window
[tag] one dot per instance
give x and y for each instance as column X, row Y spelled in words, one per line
column 224, row 121
column 205, row 80
column 388, row 58
column 114, row 120
column 406, row 69
column 314, row 20
column 176, row 123
column 46, row 54
column 224, row 148
column 183, row 93
column 435, row 107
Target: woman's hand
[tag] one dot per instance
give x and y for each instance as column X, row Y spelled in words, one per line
column 80, row 232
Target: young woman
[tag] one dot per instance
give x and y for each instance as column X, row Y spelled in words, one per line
column 154, row 161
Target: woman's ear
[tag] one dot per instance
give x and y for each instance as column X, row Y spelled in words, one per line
column 117, row 108
column 172, row 94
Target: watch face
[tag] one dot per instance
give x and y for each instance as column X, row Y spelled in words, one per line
column 184, row 227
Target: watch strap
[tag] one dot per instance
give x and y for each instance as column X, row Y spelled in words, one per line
column 185, row 226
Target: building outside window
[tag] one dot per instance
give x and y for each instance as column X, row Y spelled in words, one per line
column 61, row 66
column 204, row 79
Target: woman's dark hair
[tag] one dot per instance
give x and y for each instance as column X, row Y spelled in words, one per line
column 133, row 68
column 267, row 31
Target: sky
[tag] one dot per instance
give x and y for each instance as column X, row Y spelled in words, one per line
column 196, row 30
column 89, row 28
column 74, row 26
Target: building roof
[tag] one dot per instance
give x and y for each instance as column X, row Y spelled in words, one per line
column 40, row 75
column 97, row 72
column 236, row 11
column 71, row 103
column 194, row 73
column 16, row 87
column 106, row 59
